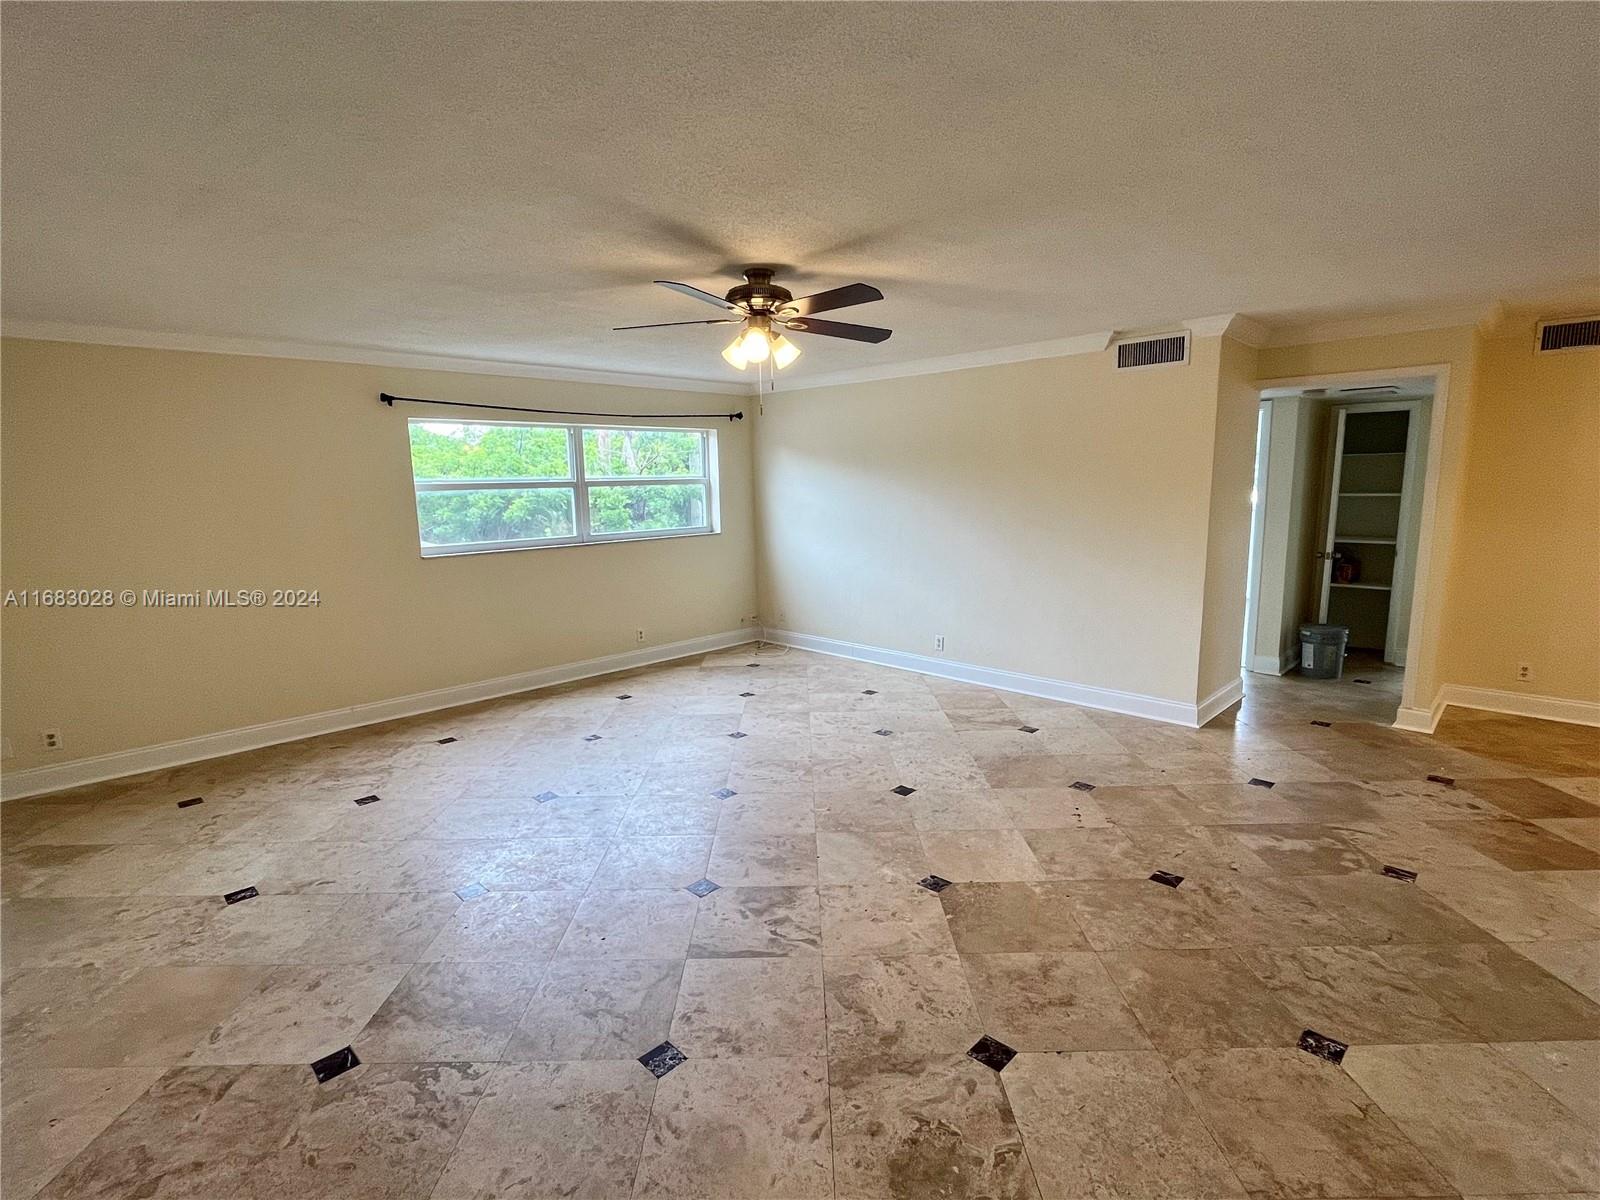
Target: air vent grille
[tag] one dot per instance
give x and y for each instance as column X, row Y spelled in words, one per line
column 1168, row 350
column 1582, row 334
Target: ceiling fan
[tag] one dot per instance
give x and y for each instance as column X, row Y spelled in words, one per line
column 765, row 310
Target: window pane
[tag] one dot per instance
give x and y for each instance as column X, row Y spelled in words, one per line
column 495, row 515
column 628, row 453
column 648, row 506
column 455, row 450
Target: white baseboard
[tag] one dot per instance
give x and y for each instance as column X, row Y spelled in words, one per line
column 1155, row 708
column 1224, row 697
column 1420, row 720
column 36, row 780
column 1545, row 708
column 1516, row 704
column 1266, row 664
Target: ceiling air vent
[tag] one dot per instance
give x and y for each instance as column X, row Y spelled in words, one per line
column 1582, row 333
column 1168, row 350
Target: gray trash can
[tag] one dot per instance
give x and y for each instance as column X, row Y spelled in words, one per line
column 1322, row 650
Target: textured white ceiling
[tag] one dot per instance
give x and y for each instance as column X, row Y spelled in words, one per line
column 503, row 181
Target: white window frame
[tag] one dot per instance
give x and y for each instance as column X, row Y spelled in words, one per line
column 577, row 483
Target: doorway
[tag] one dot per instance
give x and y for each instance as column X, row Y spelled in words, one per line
column 1341, row 474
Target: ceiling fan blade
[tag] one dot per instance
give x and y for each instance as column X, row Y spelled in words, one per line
column 839, row 297
column 664, row 324
column 695, row 293
column 839, row 329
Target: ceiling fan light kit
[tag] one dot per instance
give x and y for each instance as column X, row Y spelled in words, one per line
column 764, row 310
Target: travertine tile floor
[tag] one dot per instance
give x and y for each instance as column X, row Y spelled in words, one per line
column 510, row 927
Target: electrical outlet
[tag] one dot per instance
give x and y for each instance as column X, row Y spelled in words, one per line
column 938, row 642
column 50, row 739
column 1524, row 672
column 641, row 637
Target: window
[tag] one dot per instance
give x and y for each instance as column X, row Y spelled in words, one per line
column 493, row 485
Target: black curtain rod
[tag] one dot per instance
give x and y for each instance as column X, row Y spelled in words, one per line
column 391, row 401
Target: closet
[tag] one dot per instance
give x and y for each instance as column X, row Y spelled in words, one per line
column 1369, row 541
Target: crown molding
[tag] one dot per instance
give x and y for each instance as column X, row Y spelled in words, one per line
column 1235, row 325
column 103, row 335
column 1087, row 343
column 1415, row 321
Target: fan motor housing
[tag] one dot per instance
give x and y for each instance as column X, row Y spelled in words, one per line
column 758, row 293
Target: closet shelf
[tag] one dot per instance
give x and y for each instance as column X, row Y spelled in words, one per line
column 1374, row 454
column 1371, row 541
column 1365, row 587
column 1343, row 494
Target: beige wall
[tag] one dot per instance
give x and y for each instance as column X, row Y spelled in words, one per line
column 1055, row 517
column 1049, row 517
column 1455, row 349
column 1526, row 581
column 144, row 469
column 1514, row 541
column 1233, row 468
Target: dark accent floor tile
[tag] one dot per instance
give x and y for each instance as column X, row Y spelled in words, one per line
column 1081, row 786
column 1261, row 783
column 368, row 799
column 1400, row 873
column 702, row 887
column 991, row 1053
column 248, row 893
column 933, row 883
column 725, row 793
column 331, row 1066
column 1322, row 1046
column 662, row 1059
column 472, row 891
column 190, row 803
column 1166, row 878
column 902, row 790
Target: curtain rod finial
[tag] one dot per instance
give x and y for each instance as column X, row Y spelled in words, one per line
column 385, row 398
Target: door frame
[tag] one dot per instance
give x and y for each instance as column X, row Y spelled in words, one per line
column 1427, row 589
column 1258, row 533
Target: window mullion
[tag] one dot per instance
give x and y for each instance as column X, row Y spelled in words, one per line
column 580, row 497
